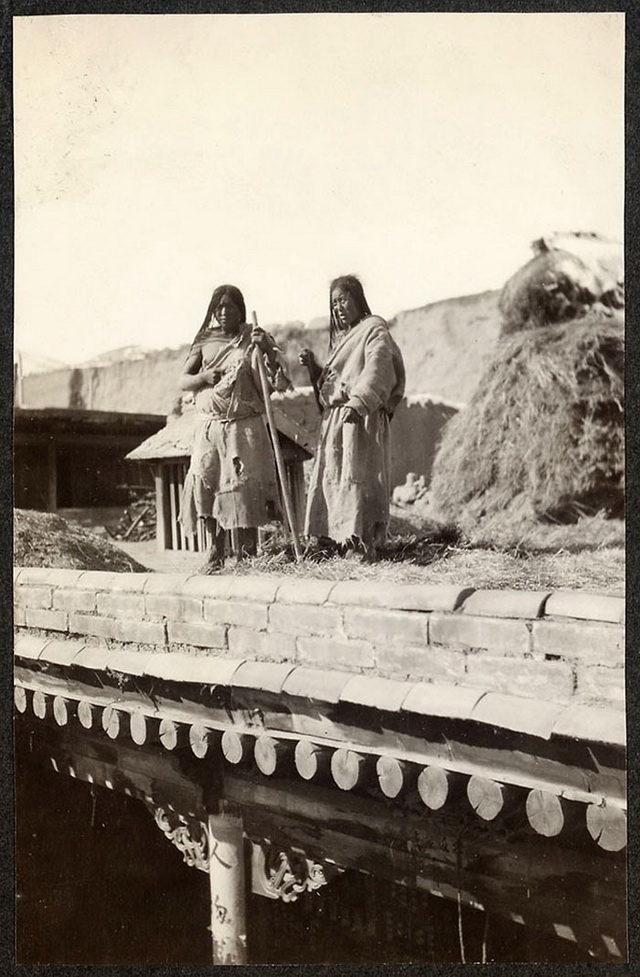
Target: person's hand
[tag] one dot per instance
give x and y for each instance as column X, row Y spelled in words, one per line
column 259, row 338
column 209, row 378
column 307, row 358
column 350, row 415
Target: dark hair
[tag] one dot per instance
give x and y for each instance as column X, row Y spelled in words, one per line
column 352, row 285
column 220, row 293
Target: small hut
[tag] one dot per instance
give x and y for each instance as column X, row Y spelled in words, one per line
column 168, row 453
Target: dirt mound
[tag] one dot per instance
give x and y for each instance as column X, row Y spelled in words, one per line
column 543, row 436
column 42, row 539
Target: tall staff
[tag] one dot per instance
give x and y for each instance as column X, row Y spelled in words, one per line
column 266, row 393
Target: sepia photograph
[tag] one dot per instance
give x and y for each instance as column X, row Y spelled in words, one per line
column 319, row 488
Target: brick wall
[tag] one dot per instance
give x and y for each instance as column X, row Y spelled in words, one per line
column 563, row 647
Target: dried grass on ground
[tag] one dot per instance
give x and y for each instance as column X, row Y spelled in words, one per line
column 42, row 539
column 586, row 556
column 543, row 436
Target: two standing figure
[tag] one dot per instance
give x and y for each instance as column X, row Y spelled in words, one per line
column 231, row 482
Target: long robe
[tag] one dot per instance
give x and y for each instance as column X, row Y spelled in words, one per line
column 350, row 485
column 232, row 475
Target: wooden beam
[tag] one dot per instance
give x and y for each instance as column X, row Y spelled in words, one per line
column 347, row 768
column 545, row 813
column 607, row 825
column 200, row 739
column 488, row 797
column 271, row 754
column 391, row 775
column 311, row 759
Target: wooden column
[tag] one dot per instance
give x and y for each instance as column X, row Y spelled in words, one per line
column 161, row 505
column 227, row 884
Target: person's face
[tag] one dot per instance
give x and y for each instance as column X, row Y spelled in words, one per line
column 344, row 307
column 228, row 315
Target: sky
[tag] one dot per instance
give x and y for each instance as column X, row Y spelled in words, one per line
column 157, row 157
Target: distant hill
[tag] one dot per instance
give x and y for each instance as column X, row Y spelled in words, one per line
column 446, row 346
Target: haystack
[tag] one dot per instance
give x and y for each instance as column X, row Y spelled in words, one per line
column 42, row 539
column 543, row 436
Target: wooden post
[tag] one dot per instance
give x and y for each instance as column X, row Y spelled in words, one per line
column 161, row 504
column 227, row 885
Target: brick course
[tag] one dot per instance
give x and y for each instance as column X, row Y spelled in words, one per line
column 541, row 680
column 158, row 607
column 305, row 619
column 332, row 652
column 243, row 613
column 501, row 636
column 586, row 641
column 245, row 643
column 201, row 635
column 383, row 625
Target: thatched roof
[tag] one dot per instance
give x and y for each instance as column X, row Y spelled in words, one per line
column 543, row 435
column 176, row 439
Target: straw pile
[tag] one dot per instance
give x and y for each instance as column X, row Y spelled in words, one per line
column 42, row 539
column 543, row 436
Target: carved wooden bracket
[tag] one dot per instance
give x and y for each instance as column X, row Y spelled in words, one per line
column 189, row 836
column 286, row 874
column 276, row 873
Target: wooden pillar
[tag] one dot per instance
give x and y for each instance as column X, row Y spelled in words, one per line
column 52, row 477
column 227, row 884
column 161, row 504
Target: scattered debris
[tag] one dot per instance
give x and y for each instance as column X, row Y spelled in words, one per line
column 139, row 520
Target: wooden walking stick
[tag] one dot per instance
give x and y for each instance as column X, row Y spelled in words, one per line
column 277, row 450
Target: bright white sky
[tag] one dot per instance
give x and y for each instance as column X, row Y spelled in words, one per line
column 159, row 156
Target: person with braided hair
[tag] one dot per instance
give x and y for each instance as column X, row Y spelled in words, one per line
column 358, row 390
column 231, row 482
